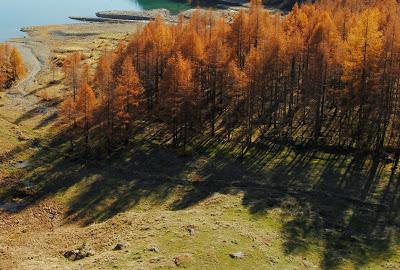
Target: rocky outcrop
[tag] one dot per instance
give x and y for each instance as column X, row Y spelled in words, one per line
column 224, row 7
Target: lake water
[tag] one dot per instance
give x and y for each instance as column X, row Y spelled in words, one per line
column 15, row 14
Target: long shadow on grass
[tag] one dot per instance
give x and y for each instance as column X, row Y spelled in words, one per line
column 348, row 202
column 329, row 197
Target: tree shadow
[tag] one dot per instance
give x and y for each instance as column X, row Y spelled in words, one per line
column 47, row 120
column 348, row 202
column 40, row 109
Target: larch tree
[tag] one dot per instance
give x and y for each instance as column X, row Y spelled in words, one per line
column 105, row 85
column 17, row 64
column 253, row 72
column 178, row 98
column 12, row 67
column 237, row 84
column 67, row 116
column 361, row 63
column 325, row 43
column 3, row 70
column 325, row 74
column 53, row 69
column 217, row 58
column 129, row 93
column 85, row 105
column 240, row 37
column 73, row 70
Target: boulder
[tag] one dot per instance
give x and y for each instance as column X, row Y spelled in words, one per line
column 237, row 255
column 155, row 249
column 183, row 260
column 121, row 246
column 79, row 254
column 191, row 231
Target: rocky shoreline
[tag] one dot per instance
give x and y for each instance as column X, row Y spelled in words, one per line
column 134, row 15
column 123, row 16
column 126, row 16
column 227, row 9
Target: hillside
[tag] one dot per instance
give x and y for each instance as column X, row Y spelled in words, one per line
column 243, row 142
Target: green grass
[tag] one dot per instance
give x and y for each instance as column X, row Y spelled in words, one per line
column 282, row 206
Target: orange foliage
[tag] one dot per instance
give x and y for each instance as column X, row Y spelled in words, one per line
column 12, row 67
column 334, row 60
column 128, row 91
column 73, row 70
column 85, row 104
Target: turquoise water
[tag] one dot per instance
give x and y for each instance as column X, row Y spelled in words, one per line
column 15, row 14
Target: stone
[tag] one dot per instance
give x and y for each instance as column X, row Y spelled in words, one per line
column 183, row 260
column 121, row 246
column 79, row 254
column 22, row 138
column 237, row 255
column 273, row 260
column 154, row 249
column 71, row 255
column 35, row 143
column 191, row 231
column 22, row 164
column 155, row 259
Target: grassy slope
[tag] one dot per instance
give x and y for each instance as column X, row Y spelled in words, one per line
column 282, row 207
column 286, row 208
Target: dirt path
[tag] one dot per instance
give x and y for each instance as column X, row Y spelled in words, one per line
column 34, row 54
column 19, row 105
column 34, row 66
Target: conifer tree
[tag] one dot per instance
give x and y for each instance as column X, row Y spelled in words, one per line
column 85, row 105
column 17, row 65
column 361, row 63
column 73, row 70
column 326, row 74
column 129, row 93
column 67, row 117
column 178, row 87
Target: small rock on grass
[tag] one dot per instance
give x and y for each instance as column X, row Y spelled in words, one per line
column 191, row 231
column 79, row 254
column 155, row 260
column 154, row 249
column 121, row 246
column 183, row 260
column 237, row 255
